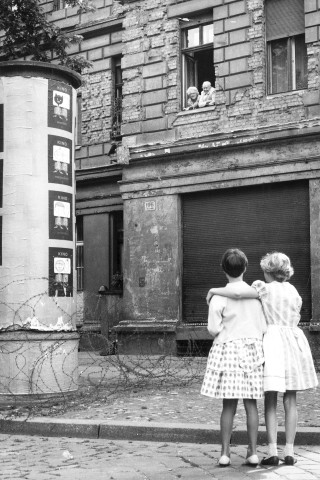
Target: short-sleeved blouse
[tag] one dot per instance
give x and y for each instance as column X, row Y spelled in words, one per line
column 281, row 302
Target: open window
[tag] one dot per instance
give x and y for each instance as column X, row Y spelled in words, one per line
column 116, row 250
column 286, row 47
column 59, row 4
column 117, row 98
column 78, row 137
column 197, row 53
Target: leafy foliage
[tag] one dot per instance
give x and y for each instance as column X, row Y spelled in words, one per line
column 29, row 33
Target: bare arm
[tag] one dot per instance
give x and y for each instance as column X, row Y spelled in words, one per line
column 235, row 290
column 215, row 324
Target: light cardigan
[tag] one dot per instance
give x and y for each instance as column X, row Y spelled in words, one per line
column 207, row 97
column 231, row 319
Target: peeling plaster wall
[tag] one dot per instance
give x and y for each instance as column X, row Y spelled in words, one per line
column 152, row 259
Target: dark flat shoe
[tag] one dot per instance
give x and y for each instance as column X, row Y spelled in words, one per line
column 274, row 461
column 289, row 460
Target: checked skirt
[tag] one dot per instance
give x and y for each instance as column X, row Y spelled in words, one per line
column 234, row 370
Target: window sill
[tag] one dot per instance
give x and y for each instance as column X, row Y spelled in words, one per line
column 197, row 110
column 112, row 292
column 314, row 327
column 291, row 92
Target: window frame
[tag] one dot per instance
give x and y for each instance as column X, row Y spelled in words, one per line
column 116, row 249
column 78, row 133
column 117, row 96
column 185, row 51
column 59, row 5
column 291, row 65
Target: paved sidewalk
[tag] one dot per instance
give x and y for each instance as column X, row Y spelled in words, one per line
column 114, row 403
column 40, row 458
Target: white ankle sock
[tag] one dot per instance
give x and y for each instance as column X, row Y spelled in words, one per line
column 288, row 450
column 272, row 450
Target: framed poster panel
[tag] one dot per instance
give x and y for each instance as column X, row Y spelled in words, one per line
column 1, row 183
column 0, row 240
column 59, row 160
column 60, row 272
column 1, row 127
column 60, row 216
column 59, row 105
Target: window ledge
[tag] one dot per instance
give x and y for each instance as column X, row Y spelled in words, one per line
column 292, row 92
column 112, row 292
column 314, row 327
column 196, row 110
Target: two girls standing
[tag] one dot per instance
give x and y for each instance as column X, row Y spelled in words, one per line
column 288, row 364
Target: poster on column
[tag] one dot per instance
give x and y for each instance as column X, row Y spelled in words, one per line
column 1, row 183
column 1, row 128
column 59, row 160
column 60, row 216
column 0, row 240
column 60, row 272
column 59, row 105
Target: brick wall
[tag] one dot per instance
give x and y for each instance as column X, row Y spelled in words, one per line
column 232, row 48
column 102, row 32
column 312, row 20
column 150, row 71
column 239, row 57
column 147, row 34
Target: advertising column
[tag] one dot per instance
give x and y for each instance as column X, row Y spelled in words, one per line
column 37, row 271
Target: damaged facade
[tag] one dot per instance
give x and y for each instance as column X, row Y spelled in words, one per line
column 163, row 191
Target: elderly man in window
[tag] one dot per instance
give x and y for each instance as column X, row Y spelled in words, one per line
column 207, row 96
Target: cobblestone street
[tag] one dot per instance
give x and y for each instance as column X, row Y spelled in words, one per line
column 40, row 458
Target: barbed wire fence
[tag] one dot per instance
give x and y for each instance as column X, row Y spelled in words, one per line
column 44, row 371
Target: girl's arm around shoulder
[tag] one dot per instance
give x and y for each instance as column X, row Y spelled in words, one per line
column 236, row 290
column 261, row 288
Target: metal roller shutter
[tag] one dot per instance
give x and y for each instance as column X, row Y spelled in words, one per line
column 284, row 18
column 257, row 220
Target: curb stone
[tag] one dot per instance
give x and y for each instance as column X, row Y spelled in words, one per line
column 143, row 431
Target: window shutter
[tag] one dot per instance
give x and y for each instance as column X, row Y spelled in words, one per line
column 284, row 18
column 256, row 219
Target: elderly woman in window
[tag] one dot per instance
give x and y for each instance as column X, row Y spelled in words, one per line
column 208, row 95
column 193, row 98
